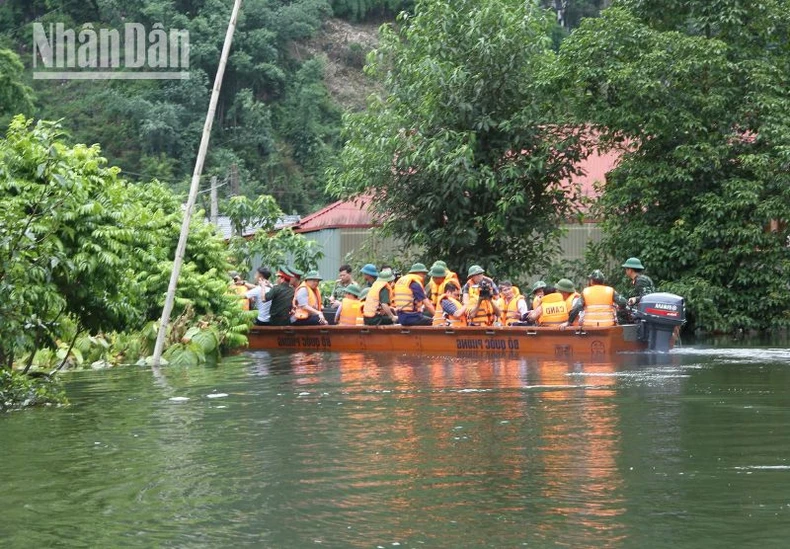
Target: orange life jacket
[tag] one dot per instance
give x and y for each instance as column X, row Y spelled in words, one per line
column 599, row 309
column 555, row 310
column 485, row 313
column 372, row 303
column 313, row 300
column 403, row 296
column 510, row 312
column 442, row 319
column 241, row 291
column 350, row 309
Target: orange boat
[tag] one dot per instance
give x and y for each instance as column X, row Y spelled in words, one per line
column 659, row 317
column 469, row 341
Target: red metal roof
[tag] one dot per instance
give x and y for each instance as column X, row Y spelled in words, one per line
column 354, row 214
column 350, row 214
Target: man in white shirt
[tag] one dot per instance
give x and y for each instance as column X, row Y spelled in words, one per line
column 262, row 276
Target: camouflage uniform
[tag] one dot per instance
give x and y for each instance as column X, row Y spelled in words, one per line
column 642, row 285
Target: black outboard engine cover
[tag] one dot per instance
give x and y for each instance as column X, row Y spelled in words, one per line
column 658, row 315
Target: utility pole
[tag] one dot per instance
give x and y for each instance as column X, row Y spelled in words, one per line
column 193, row 190
column 214, row 206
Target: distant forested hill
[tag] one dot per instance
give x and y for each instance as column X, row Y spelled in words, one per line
column 294, row 68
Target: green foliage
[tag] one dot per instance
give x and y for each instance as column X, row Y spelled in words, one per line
column 696, row 93
column 15, row 96
column 268, row 246
column 464, row 158
column 276, row 125
column 85, row 256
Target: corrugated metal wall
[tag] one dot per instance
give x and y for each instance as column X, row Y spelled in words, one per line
column 578, row 236
column 338, row 244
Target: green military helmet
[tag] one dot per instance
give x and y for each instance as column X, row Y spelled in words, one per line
column 565, row 285
column 440, row 263
column 418, row 268
column 296, row 272
column 386, row 275
column 475, row 270
column 597, row 276
column 438, row 271
column 539, row 285
column 633, row 263
column 312, row 275
column 353, row 289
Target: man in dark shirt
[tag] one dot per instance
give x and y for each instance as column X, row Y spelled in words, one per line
column 281, row 296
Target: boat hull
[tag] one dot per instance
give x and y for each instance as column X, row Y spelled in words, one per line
column 464, row 341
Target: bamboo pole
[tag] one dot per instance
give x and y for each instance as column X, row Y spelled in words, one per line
column 193, row 190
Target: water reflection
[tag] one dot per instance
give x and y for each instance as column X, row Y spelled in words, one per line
column 366, row 450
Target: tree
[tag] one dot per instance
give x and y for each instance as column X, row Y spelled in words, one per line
column 698, row 93
column 464, row 159
column 15, row 96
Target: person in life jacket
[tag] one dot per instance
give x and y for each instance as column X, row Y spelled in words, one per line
column 439, row 275
column 307, row 302
column 377, row 310
column 598, row 303
column 475, row 276
column 240, row 288
column 513, row 305
column 410, row 299
column 554, row 307
column 350, row 307
column 450, row 312
column 483, row 309
column 369, row 275
column 537, row 293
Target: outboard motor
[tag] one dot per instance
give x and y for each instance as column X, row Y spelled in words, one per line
column 658, row 315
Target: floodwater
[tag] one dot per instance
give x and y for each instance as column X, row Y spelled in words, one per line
column 292, row 450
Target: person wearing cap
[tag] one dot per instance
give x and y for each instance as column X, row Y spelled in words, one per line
column 377, row 310
column 307, row 302
column 296, row 276
column 281, row 297
column 641, row 284
column 475, row 277
column 258, row 292
column 597, row 304
column 369, row 275
column 514, row 305
column 554, row 307
column 410, row 299
column 434, row 289
column 349, row 307
column 538, row 290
